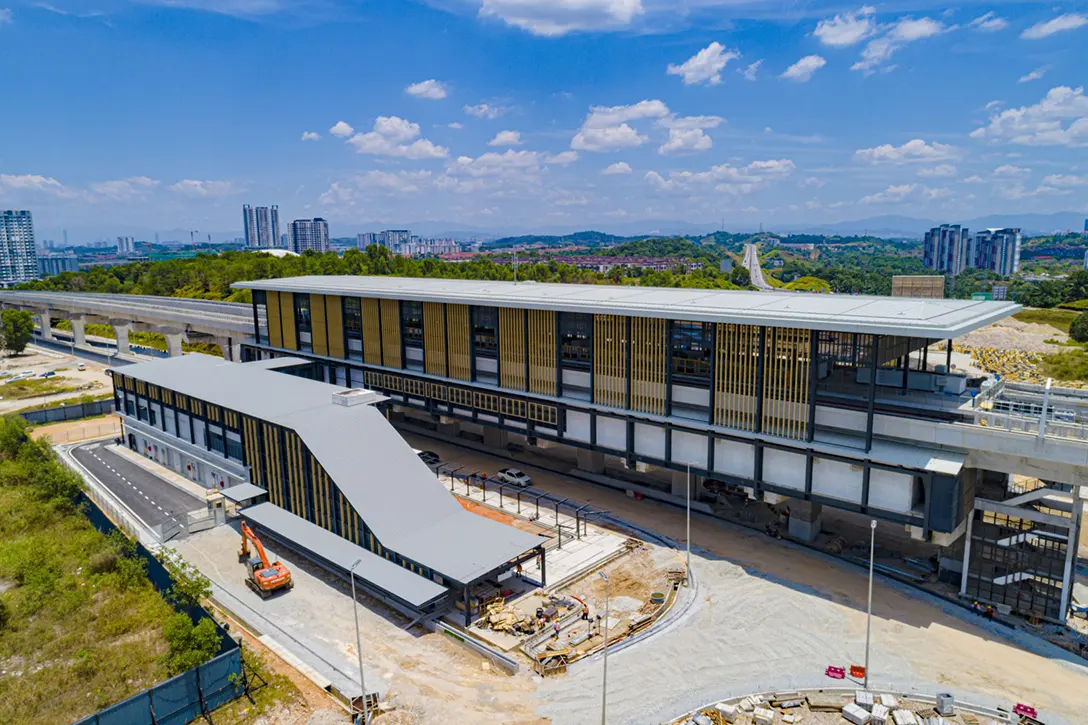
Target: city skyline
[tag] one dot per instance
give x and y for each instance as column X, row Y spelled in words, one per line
column 549, row 117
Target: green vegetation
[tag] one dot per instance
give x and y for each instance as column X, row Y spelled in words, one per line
column 89, row 398
column 16, row 330
column 154, row 340
column 1078, row 329
column 36, row 387
column 1056, row 318
column 274, row 701
column 1075, row 305
column 190, row 645
column 1067, row 365
column 809, row 284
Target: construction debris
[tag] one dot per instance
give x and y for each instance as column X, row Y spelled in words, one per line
column 856, row 714
column 763, row 716
column 880, row 714
column 889, row 701
column 863, row 699
column 904, row 717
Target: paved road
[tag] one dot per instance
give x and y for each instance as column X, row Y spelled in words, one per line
column 751, row 263
column 150, row 497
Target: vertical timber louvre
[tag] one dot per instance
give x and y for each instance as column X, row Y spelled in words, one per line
column 434, row 338
column 287, row 320
column 610, row 360
column 648, row 365
column 391, row 352
column 511, row 348
column 458, row 338
column 372, row 332
column 272, row 307
column 334, row 322
column 542, row 352
column 318, row 337
column 737, row 354
column 785, row 383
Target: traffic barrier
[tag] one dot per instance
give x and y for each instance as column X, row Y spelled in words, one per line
column 1022, row 709
column 857, row 671
column 837, row 673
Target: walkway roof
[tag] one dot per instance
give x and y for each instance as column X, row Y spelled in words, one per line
column 905, row 316
column 395, row 493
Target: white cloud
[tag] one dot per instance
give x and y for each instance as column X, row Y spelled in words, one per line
column 455, row 125
column 913, row 150
column 1065, row 181
column 1044, row 123
column 493, row 163
column 1033, row 76
column 606, row 127
column 134, row 187
column 802, row 70
column 989, row 23
column 341, row 129
column 310, row 136
column 1018, row 191
column 506, row 138
column 705, row 66
column 899, row 34
column 553, row 18
column 938, row 171
column 1069, row 21
column 430, row 89
column 813, row 182
column 751, row 70
column 37, row 183
column 686, row 134
column 847, row 29
column 904, row 192
column 994, row 105
column 483, row 110
column 5, row 16
column 562, row 158
column 1010, row 170
column 973, row 179
column 391, row 136
column 620, row 167
column 205, row 189
column 724, row 177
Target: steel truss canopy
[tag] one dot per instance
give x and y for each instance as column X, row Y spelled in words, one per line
column 903, row 316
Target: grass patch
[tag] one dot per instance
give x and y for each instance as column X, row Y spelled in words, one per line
column 1057, row 318
column 1068, row 365
column 1079, row 305
column 154, row 340
column 279, row 696
column 89, row 398
column 36, row 387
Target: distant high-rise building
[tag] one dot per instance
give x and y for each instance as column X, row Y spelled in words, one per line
column 126, row 245
column 996, row 250
column 66, row 233
column 262, row 226
column 18, row 257
column 309, row 234
column 366, row 239
column 946, row 249
column 394, row 238
column 52, row 264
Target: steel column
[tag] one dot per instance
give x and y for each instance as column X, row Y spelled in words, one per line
column 813, row 367
column 760, row 370
column 874, row 354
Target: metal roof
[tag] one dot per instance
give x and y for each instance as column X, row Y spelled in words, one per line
column 399, row 497
column 906, row 316
column 242, row 492
column 393, row 578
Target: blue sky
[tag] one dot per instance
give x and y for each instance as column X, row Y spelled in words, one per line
column 500, row 114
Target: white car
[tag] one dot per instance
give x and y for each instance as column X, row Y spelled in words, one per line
column 513, row 477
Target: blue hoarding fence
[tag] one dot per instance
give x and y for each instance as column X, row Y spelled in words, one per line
column 68, row 412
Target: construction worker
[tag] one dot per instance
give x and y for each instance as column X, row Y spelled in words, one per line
column 585, row 612
column 555, row 628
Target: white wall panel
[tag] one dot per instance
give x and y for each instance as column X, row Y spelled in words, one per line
column 837, row 480
column 577, row 426
column 612, row 433
column 688, row 448
column 784, row 469
column 649, row 441
column 891, row 491
column 738, row 459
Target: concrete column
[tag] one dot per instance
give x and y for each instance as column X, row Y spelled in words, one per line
column 79, row 331
column 121, row 328
column 805, row 519
column 449, row 426
column 173, row 342
column 679, row 485
column 590, row 461
column 495, row 438
column 44, row 319
column 232, row 350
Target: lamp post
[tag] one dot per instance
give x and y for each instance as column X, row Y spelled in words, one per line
column 358, row 641
column 687, row 498
column 604, row 680
column 869, row 616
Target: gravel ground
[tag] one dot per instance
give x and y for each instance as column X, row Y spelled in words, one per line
column 1011, row 334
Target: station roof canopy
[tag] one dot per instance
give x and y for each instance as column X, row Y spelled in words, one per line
column 903, row 316
column 401, row 500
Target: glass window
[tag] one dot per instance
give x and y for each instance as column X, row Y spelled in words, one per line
column 485, row 326
column 141, row 409
column 234, row 448
column 692, row 346
column 411, row 320
column 130, row 407
column 353, row 318
column 184, row 431
column 303, row 323
column 260, row 312
column 576, row 339
column 215, row 439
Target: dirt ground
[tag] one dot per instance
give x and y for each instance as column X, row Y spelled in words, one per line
column 1011, row 334
column 38, row 361
column 489, row 513
column 78, row 430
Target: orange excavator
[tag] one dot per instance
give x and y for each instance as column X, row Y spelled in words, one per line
column 264, row 578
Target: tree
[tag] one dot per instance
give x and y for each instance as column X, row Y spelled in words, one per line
column 190, row 645
column 1079, row 329
column 16, row 330
column 740, row 277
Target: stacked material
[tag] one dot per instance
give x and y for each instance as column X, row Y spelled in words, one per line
column 728, row 712
column 880, row 714
column 889, row 701
column 863, row 699
column 904, row 717
column 936, row 720
column 763, row 716
column 701, row 719
column 750, row 703
column 855, row 714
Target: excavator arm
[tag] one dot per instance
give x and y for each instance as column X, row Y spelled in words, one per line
column 247, row 536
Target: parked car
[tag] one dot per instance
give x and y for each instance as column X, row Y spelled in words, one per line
column 429, row 457
column 81, row 367
column 513, row 477
column 21, row 376
column 48, row 374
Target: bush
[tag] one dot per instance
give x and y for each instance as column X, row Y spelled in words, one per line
column 189, row 645
column 1078, row 330
column 5, row 615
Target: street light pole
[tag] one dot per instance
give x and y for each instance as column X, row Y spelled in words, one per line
column 359, row 641
column 604, row 681
column 869, row 616
column 687, row 571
